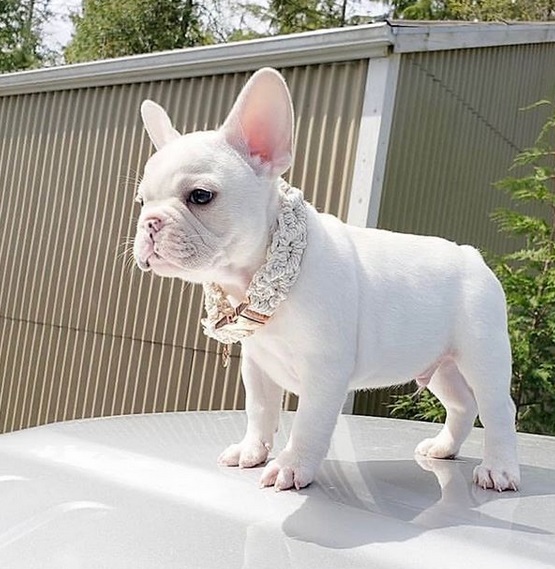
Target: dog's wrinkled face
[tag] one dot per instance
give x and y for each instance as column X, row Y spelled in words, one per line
column 208, row 198
column 190, row 220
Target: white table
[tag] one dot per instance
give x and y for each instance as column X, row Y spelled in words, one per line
column 145, row 492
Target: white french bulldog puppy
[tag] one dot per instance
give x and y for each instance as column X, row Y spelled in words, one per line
column 369, row 308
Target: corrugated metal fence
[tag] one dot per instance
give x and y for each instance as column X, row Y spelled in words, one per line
column 82, row 332
column 459, row 115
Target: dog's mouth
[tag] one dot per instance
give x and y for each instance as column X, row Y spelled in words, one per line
column 163, row 260
column 171, row 251
column 155, row 262
column 147, row 255
column 144, row 264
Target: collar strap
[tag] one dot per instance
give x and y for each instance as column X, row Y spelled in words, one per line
column 242, row 312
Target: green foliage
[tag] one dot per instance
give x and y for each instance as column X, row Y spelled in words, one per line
column 20, row 34
column 528, row 278
column 421, row 406
column 288, row 16
column 291, row 16
column 114, row 28
column 472, row 10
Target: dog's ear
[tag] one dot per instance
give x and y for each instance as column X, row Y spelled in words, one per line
column 260, row 124
column 157, row 124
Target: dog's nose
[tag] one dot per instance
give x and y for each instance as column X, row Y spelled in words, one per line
column 152, row 224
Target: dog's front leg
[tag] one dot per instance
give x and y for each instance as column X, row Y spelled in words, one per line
column 320, row 402
column 263, row 400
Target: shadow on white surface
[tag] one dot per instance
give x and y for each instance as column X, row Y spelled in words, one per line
column 354, row 504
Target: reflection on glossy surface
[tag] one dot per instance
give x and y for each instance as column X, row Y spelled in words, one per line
column 145, row 492
column 24, row 529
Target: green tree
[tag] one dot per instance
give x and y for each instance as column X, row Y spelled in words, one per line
column 472, row 10
column 21, row 44
column 528, row 277
column 291, row 16
column 114, row 28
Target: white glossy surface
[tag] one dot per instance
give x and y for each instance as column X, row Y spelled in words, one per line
column 145, row 492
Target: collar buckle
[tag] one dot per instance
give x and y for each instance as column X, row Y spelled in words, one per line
column 242, row 311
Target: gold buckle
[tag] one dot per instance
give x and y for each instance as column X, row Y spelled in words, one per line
column 232, row 318
column 241, row 311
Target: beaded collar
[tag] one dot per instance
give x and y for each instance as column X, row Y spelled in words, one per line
column 270, row 285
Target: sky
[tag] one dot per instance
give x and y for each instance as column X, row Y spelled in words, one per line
column 57, row 31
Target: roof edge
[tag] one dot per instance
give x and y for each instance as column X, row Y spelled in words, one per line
column 322, row 46
column 428, row 36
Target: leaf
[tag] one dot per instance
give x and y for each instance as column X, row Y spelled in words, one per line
column 511, row 221
column 537, row 104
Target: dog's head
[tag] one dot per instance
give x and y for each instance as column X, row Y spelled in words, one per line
column 208, row 199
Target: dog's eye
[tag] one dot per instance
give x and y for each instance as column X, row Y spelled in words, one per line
column 200, row 197
column 139, row 200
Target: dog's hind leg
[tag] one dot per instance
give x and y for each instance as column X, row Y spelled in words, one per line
column 486, row 364
column 450, row 387
column 483, row 356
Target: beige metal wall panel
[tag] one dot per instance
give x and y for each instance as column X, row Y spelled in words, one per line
column 82, row 331
column 456, row 129
column 377, row 402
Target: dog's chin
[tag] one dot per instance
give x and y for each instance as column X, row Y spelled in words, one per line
column 166, row 268
column 191, row 270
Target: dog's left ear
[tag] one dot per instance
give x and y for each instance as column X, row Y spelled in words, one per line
column 157, row 124
column 260, row 124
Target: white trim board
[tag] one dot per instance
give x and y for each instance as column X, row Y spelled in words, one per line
column 373, row 141
column 417, row 37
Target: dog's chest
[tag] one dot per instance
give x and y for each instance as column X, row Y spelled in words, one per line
column 276, row 357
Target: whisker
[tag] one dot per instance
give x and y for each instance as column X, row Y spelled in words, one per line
column 127, row 241
column 124, row 252
column 124, row 181
column 128, row 260
column 125, row 184
column 133, row 176
column 129, row 264
column 124, row 178
column 138, row 175
column 125, row 247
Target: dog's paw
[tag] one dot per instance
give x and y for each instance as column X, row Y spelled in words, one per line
column 438, row 447
column 246, row 454
column 287, row 471
column 497, row 477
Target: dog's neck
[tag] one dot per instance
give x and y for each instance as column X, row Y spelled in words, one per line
column 235, row 280
column 270, row 284
column 235, row 277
